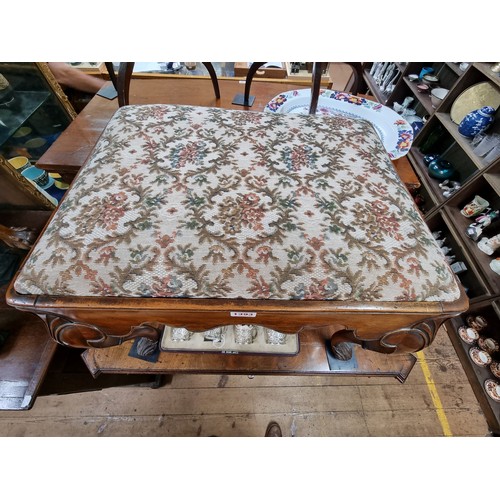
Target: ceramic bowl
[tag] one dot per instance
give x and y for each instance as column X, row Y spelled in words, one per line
column 495, row 369
column 20, row 163
column 479, row 357
column 423, row 87
column 441, row 169
column 468, row 335
column 488, row 344
column 413, row 77
column 437, row 95
column 41, row 177
column 430, row 79
column 492, row 388
column 476, row 322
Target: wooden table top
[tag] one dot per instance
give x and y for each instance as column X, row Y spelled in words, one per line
column 68, row 154
column 72, row 148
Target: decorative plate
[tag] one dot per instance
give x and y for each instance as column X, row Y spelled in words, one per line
column 492, row 388
column 394, row 131
column 495, row 369
column 468, row 335
column 475, row 97
column 480, row 357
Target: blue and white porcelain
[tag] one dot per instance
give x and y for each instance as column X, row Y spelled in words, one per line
column 476, row 121
column 416, row 123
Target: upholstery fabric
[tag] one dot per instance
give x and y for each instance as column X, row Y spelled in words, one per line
column 181, row 201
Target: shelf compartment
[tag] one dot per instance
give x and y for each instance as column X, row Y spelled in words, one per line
column 483, row 260
column 423, row 98
column 475, row 74
column 485, row 68
column 374, row 88
column 455, row 68
column 430, row 193
column 450, row 151
column 471, row 279
column 476, row 374
column 463, row 142
column 493, row 179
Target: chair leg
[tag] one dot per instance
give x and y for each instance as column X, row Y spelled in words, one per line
column 123, row 84
column 248, row 82
column 357, row 70
column 213, row 76
column 112, row 74
column 316, row 84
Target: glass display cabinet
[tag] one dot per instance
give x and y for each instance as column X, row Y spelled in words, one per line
column 34, row 111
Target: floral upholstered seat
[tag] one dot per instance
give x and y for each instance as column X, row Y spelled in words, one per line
column 179, row 201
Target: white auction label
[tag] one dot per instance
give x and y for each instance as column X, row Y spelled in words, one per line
column 242, row 314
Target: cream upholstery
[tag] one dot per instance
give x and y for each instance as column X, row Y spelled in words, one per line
column 179, row 201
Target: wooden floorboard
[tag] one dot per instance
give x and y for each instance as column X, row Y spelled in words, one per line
column 241, row 405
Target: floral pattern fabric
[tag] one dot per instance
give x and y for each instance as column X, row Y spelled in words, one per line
column 180, row 201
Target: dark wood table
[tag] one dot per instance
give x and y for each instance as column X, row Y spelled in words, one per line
column 67, row 155
column 75, row 144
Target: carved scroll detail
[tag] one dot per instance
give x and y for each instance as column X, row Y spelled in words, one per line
column 79, row 334
column 413, row 338
column 407, row 339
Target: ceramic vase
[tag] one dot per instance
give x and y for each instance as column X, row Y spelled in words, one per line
column 425, row 71
column 476, row 121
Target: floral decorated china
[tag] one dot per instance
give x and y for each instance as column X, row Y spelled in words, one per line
column 488, row 344
column 492, row 388
column 430, row 79
column 495, row 369
column 476, row 322
column 394, row 131
column 468, row 335
column 479, row 357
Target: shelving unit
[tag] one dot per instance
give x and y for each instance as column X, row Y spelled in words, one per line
column 477, row 177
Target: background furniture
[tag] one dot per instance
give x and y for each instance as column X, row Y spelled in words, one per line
column 318, row 70
column 125, row 70
column 41, row 109
column 29, row 125
column 443, row 214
